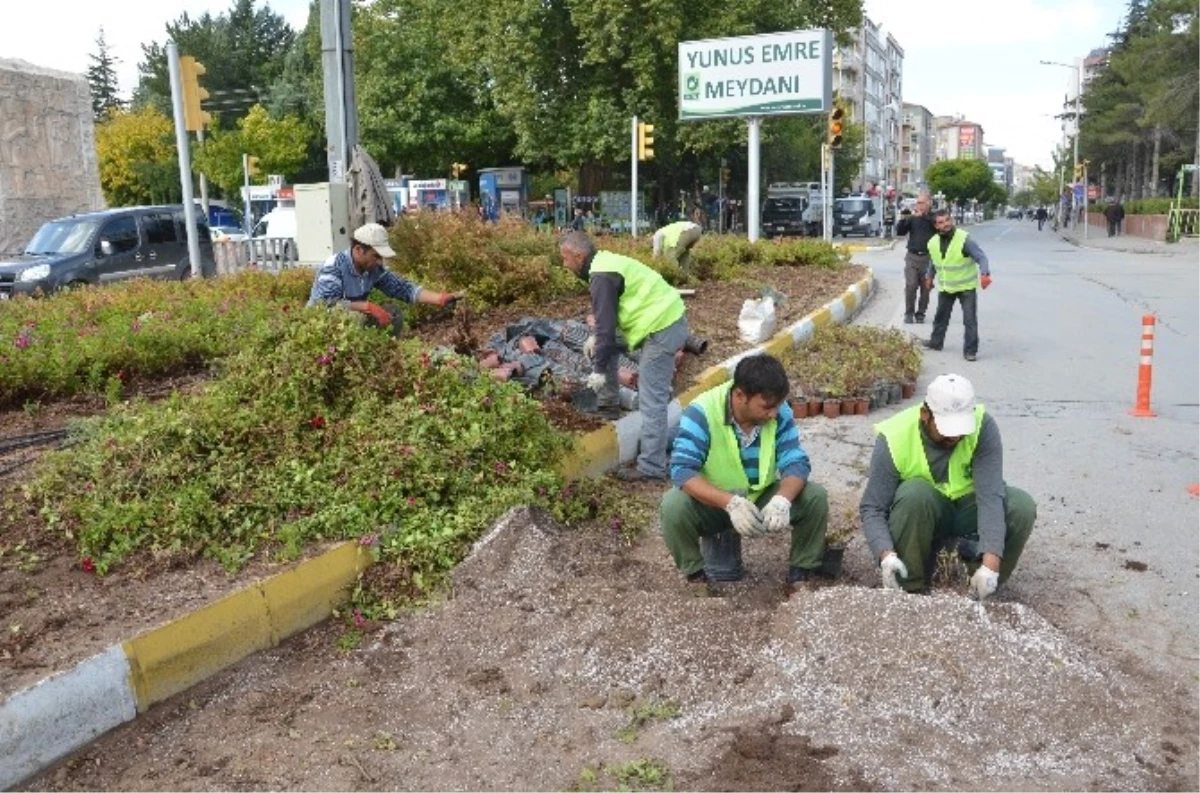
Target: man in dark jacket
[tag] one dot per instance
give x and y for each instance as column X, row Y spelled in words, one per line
column 918, row 226
column 1114, row 213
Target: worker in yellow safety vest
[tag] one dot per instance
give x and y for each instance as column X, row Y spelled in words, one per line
column 936, row 480
column 961, row 268
column 676, row 241
column 629, row 297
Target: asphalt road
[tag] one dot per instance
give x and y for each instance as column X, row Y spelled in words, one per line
column 1060, row 333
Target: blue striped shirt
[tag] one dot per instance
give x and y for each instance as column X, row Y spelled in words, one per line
column 338, row 281
column 693, row 441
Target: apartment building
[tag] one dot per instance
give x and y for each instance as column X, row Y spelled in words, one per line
column 917, row 151
column 868, row 75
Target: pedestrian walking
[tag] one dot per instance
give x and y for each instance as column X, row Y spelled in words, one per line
column 629, row 297
column 936, row 480
column 675, row 241
column 1041, row 216
column 347, row 278
column 737, row 464
column 961, row 268
column 1114, row 213
column 917, row 225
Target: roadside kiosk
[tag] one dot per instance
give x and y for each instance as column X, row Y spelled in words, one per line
column 503, row 190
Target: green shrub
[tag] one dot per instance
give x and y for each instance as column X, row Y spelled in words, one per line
column 849, row 360
column 319, row 429
column 1154, row 206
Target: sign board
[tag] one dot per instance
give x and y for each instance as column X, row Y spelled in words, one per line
column 427, row 184
column 508, row 177
column 762, row 75
column 1093, row 191
column 275, row 180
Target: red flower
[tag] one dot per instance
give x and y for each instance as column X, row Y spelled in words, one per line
column 87, row 565
column 317, row 422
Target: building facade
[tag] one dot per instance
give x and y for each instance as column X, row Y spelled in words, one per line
column 918, row 138
column 958, row 139
column 868, row 76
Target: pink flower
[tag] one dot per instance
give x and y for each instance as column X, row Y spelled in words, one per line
column 412, row 501
column 359, row 620
column 87, row 565
column 136, row 326
column 23, row 341
column 324, row 360
column 501, row 466
column 317, row 422
column 369, row 540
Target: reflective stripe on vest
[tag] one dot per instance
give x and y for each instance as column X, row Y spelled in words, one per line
column 648, row 303
column 903, row 433
column 673, row 232
column 956, row 272
column 724, row 468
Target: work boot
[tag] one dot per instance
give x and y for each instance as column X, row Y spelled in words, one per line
column 696, row 345
column 920, row 319
column 798, row 578
column 635, row 474
column 908, row 319
column 699, row 586
column 970, row 356
column 929, row 345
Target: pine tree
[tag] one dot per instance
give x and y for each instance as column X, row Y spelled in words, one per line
column 102, row 78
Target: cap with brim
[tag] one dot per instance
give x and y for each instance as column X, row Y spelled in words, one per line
column 951, row 400
column 375, row 236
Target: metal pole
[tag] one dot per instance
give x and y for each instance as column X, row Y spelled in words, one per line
column 203, row 181
column 825, row 235
column 185, row 159
column 633, row 158
column 721, row 197
column 1075, row 154
column 247, row 220
column 1085, row 202
column 754, row 124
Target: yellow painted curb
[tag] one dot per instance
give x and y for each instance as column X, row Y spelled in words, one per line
column 172, row 657
column 589, row 457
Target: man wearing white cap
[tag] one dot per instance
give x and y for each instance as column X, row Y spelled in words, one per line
column 937, row 473
column 347, row 278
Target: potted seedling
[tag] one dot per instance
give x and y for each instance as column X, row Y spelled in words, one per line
column 841, row 531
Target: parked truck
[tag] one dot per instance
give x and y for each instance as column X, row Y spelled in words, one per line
column 792, row 209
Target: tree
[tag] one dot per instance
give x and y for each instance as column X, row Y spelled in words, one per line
column 281, row 146
column 102, row 80
column 242, row 50
column 962, row 180
column 137, row 158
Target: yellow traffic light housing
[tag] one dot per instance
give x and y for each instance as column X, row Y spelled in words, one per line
column 456, row 168
column 837, row 126
column 645, row 141
column 252, row 166
column 190, row 70
column 1078, row 172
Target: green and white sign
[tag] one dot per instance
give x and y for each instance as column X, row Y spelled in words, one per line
column 763, row 75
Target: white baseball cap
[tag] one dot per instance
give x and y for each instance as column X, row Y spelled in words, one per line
column 951, row 400
column 374, row 236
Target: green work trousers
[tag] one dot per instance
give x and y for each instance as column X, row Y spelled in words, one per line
column 920, row 515
column 685, row 520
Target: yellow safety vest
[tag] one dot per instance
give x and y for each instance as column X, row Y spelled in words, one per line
column 648, row 303
column 903, row 433
column 956, row 272
column 723, row 468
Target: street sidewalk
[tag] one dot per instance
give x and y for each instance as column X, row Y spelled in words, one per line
column 1099, row 239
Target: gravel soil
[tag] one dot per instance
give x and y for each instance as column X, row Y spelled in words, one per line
column 570, row 660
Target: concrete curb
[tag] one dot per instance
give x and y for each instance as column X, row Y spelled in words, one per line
column 42, row 724
column 49, row 720
column 610, row 446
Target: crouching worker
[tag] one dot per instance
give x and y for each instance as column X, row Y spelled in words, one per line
column 937, row 479
column 347, row 278
column 737, row 463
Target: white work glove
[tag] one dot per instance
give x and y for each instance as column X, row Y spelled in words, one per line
column 589, row 347
column 984, row 583
column 892, row 570
column 747, row 520
column 777, row 515
column 596, row 381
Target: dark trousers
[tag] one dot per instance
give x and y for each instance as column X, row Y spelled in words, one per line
column 941, row 320
column 1041, row 222
column 915, row 266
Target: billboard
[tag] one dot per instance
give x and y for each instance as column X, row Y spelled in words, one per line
column 763, row 75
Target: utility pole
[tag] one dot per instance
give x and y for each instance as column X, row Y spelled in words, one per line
column 337, row 66
column 633, row 158
column 185, row 158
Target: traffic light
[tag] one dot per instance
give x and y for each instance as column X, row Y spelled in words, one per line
column 1079, row 172
column 724, row 176
column 252, row 166
column 836, row 126
column 645, row 141
column 190, row 70
column 456, row 168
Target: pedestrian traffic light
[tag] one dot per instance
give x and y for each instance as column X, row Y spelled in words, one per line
column 836, row 126
column 251, row 166
column 190, row 70
column 645, row 141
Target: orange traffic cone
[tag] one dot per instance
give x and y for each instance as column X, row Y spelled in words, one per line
column 1142, row 408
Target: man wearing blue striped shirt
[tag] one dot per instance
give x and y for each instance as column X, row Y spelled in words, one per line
column 347, row 278
column 737, row 463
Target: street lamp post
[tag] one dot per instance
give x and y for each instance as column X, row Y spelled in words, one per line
column 1075, row 146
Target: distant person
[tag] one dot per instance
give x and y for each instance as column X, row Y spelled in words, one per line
column 1114, row 213
column 1042, row 215
column 629, row 297
column 961, row 268
column 917, row 225
column 577, row 223
column 676, row 241
column 936, row 479
column 737, row 463
column 347, row 278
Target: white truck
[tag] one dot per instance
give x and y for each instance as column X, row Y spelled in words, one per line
column 792, row 209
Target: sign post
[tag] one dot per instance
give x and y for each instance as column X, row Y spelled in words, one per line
column 751, row 77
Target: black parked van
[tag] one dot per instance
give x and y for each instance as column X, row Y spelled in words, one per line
column 101, row 247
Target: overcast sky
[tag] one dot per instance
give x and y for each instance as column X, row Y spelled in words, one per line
column 978, row 58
